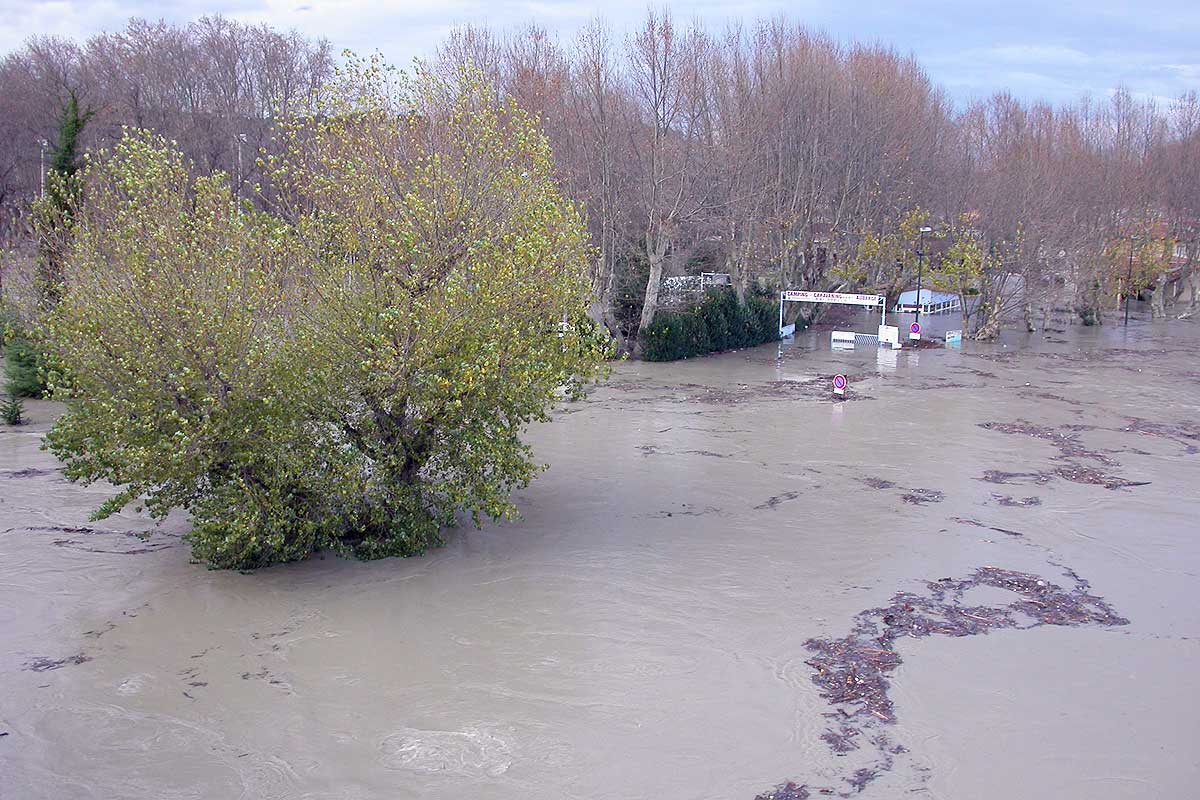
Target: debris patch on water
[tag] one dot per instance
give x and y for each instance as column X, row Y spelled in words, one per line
column 1071, row 450
column 43, row 664
column 1012, row 502
column 915, row 496
column 999, row 476
column 1186, row 434
column 28, row 472
column 786, row 791
column 852, row 672
column 976, row 523
column 919, row 497
column 772, row 502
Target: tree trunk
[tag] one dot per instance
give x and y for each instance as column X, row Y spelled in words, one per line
column 1157, row 305
column 656, row 252
column 1193, row 280
column 733, row 263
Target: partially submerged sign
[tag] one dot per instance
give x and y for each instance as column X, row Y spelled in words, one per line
column 839, row 384
column 889, row 335
column 796, row 296
column 914, row 331
column 953, row 337
column 835, row 297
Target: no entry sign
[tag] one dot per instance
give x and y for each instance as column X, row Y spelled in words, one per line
column 839, row 384
column 914, row 331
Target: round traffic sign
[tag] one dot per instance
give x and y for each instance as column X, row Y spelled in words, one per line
column 915, row 327
column 839, row 381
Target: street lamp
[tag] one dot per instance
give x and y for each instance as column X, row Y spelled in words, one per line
column 920, row 253
column 1129, row 279
column 42, row 166
column 241, row 140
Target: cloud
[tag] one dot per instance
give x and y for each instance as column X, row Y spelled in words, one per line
column 1038, row 50
column 1038, row 54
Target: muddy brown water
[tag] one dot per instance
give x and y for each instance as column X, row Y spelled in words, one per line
column 641, row 632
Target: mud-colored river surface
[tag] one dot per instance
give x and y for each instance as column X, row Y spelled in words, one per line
column 699, row 602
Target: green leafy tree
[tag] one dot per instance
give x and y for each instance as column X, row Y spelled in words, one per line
column 962, row 267
column 886, row 262
column 185, row 393
column 447, row 279
column 352, row 373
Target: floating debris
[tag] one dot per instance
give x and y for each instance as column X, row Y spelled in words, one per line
column 787, row 791
column 1066, row 439
column 1186, row 434
column 1080, row 474
column 852, row 672
column 816, row 388
column 978, row 524
column 998, row 476
column 1049, row 396
column 878, row 483
column 1012, row 502
column 919, row 497
column 28, row 472
column 44, row 664
column 1068, row 444
column 772, row 502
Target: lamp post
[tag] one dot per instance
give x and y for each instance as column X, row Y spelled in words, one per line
column 241, row 140
column 1129, row 279
column 42, row 166
column 920, row 254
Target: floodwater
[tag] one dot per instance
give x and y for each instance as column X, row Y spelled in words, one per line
column 641, row 632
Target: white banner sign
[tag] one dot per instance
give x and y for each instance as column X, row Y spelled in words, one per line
column 834, row 297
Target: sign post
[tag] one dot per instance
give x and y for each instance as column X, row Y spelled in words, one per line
column 839, row 384
column 914, row 331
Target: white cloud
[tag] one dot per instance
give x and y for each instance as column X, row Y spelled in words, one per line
column 1038, row 54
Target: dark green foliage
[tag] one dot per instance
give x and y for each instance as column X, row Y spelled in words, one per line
column 54, row 211
column 70, row 126
column 719, row 323
column 12, row 410
column 23, row 368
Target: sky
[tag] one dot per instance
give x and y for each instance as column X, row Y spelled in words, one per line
column 1048, row 50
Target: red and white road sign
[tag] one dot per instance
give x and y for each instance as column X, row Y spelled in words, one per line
column 914, row 331
column 839, row 384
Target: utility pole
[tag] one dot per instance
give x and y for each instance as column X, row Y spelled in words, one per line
column 1129, row 279
column 920, row 254
column 241, row 140
column 42, row 166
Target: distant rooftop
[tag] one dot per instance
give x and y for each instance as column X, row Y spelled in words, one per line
column 928, row 297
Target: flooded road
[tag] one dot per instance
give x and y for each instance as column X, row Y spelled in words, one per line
column 644, row 630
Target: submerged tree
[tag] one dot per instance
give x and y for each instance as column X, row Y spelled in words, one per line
column 351, row 374
column 446, row 284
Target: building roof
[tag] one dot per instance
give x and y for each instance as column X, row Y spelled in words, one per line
column 928, row 297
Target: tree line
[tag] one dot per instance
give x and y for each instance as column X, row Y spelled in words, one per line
column 764, row 150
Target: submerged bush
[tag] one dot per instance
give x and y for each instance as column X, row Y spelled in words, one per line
column 12, row 410
column 350, row 374
column 718, row 323
column 24, row 367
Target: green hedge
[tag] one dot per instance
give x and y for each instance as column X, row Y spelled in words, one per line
column 719, row 323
